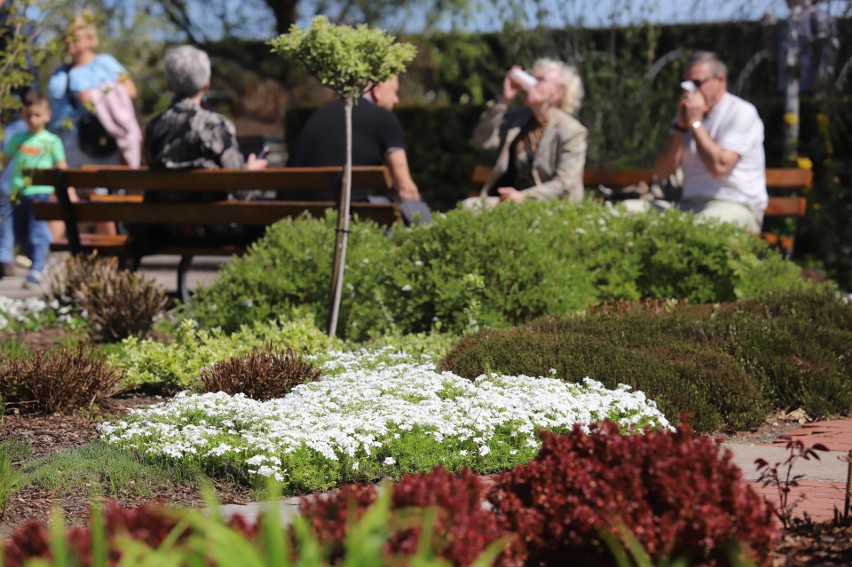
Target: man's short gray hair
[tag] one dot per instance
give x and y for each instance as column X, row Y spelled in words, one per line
column 570, row 81
column 187, row 70
column 711, row 60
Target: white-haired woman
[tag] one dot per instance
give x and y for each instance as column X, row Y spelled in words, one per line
column 187, row 136
column 542, row 145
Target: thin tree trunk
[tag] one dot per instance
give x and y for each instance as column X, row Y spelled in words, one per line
column 342, row 226
column 791, row 99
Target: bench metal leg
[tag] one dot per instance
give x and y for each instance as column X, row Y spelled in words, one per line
column 183, row 268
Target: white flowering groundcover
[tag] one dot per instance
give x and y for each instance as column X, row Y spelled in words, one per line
column 32, row 313
column 373, row 415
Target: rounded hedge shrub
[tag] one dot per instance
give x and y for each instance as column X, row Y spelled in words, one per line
column 262, row 374
column 497, row 268
column 679, row 376
column 725, row 366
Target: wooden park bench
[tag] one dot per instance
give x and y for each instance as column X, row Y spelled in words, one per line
column 130, row 208
column 786, row 187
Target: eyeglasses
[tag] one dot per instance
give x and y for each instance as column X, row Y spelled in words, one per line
column 699, row 82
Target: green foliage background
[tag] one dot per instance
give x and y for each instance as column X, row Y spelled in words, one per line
column 627, row 109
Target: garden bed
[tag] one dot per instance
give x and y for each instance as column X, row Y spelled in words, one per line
column 56, row 434
column 805, row 544
column 379, row 413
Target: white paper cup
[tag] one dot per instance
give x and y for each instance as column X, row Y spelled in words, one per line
column 523, row 79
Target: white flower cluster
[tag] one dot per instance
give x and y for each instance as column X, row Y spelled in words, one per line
column 365, row 403
column 19, row 309
column 22, row 310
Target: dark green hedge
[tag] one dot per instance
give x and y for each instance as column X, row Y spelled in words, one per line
column 725, row 365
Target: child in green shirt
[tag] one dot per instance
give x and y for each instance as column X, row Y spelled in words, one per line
column 35, row 149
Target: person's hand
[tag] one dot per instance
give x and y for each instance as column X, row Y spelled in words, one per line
column 253, row 164
column 511, row 194
column 510, row 89
column 693, row 106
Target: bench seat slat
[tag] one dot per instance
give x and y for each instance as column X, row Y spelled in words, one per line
column 120, row 246
column 786, row 207
column 222, row 212
column 276, row 179
column 108, row 245
column 777, row 179
column 616, row 179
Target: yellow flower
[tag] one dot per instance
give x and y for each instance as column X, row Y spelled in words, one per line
column 791, row 118
column 804, row 163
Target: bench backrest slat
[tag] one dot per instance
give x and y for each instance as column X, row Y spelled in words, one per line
column 283, row 178
column 786, row 207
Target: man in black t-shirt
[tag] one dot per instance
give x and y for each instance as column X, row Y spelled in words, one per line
column 377, row 139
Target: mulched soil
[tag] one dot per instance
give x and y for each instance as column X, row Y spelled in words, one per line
column 51, row 434
column 805, row 544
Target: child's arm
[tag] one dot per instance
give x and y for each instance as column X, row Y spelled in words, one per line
column 9, row 151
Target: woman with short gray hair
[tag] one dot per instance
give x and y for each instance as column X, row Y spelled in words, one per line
column 187, row 136
column 187, row 71
column 542, row 145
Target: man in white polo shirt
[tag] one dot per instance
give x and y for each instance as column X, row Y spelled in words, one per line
column 717, row 138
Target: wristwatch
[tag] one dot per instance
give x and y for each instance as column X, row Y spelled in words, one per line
column 696, row 124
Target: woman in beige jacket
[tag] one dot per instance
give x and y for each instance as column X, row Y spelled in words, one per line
column 542, row 146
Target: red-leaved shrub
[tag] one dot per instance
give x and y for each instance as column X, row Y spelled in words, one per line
column 149, row 524
column 463, row 528
column 679, row 494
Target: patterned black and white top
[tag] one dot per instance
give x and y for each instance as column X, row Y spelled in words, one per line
column 187, row 136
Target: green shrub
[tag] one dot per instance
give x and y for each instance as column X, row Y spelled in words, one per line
column 170, row 367
column 56, row 381
column 821, row 306
column 289, row 271
column 796, row 345
column 433, row 346
column 260, row 375
column 725, row 366
column 499, row 268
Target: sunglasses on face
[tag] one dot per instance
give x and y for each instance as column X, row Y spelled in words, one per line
column 699, row 82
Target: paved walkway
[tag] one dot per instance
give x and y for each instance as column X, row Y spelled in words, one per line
column 822, row 487
column 162, row 268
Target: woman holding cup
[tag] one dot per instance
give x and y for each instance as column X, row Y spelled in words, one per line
column 542, row 145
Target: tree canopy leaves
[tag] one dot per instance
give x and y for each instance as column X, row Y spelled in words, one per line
column 344, row 58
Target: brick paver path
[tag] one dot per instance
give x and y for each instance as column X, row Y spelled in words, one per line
column 836, row 434
column 817, row 499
